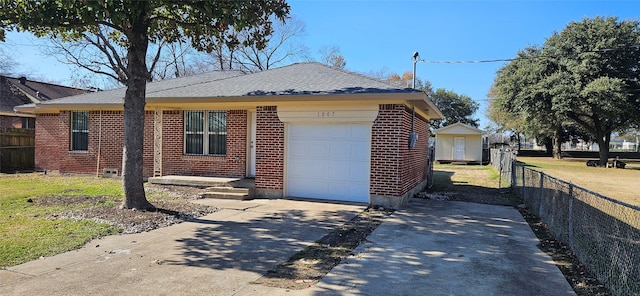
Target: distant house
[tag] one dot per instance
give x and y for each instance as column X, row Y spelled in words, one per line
column 19, row 91
column 458, row 143
column 304, row 130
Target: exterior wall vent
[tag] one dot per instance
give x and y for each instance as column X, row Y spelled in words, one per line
column 109, row 173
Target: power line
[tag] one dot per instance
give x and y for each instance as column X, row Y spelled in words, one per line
column 637, row 46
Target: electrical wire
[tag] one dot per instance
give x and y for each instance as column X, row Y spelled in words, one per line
column 637, row 46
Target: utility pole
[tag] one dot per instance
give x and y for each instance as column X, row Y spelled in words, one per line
column 415, row 61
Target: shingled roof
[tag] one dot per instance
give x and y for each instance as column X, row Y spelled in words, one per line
column 295, row 79
column 19, row 91
column 116, row 96
column 300, row 81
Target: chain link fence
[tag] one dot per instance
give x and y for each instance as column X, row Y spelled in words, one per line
column 604, row 233
column 501, row 160
column 430, row 157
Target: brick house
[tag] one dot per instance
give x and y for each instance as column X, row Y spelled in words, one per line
column 304, row 130
column 19, row 91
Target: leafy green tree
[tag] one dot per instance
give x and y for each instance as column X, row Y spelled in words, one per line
column 583, row 79
column 133, row 25
column 597, row 81
column 455, row 108
column 522, row 90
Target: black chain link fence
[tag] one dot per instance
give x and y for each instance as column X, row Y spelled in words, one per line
column 604, row 233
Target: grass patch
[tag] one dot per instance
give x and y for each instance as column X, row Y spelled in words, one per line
column 614, row 183
column 451, row 176
column 28, row 232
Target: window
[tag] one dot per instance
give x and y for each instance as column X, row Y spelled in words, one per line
column 79, row 131
column 205, row 132
column 29, row 123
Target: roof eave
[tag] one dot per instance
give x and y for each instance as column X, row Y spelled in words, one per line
column 55, row 108
column 425, row 106
column 154, row 102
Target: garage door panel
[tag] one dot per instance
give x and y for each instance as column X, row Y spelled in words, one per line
column 360, row 151
column 340, row 150
column 359, row 171
column 301, row 169
column 317, row 169
column 339, row 189
column 298, row 149
column 339, row 132
column 319, row 149
column 335, row 158
column 360, row 132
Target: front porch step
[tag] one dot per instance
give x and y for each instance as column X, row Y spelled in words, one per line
column 216, row 187
column 193, row 181
column 227, row 193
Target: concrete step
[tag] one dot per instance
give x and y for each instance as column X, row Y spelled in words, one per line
column 223, row 194
column 228, row 189
column 193, row 181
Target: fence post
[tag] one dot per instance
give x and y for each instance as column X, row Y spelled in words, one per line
column 513, row 174
column 524, row 183
column 500, row 171
column 571, row 216
column 541, row 195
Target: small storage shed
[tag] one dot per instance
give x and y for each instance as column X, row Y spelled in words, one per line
column 458, row 142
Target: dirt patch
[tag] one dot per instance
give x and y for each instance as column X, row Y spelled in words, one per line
column 488, row 196
column 308, row 266
column 581, row 279
column 172, row 208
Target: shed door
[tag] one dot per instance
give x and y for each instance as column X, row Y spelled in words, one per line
column 328, row 161
column 458, row 148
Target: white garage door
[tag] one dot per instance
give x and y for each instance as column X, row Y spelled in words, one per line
column 329, row 161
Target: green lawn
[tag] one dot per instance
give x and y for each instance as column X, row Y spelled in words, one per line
column 27, row 230
column 620, row 184
column 448, row 177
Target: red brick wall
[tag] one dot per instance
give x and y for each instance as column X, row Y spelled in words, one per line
column 48, row 141
column 53, row 136
column 413, row 165
column 396, row 169
column 176, row 163
column 269, row 149
column 111, row 138
column 106, row 136
column 385, row 141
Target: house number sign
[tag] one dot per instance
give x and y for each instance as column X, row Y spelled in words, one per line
column 327, row 114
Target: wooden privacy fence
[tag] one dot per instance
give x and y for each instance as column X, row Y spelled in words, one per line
column 17, row 150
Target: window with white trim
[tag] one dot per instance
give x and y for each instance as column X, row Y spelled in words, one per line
column 79, row 131
column 205, row 132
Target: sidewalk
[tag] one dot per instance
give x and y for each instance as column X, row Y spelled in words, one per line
column 428, row 248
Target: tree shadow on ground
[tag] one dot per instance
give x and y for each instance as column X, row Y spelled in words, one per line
column 447, row 188
column 257, row 239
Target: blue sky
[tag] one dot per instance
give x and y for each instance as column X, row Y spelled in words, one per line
column 381, row 35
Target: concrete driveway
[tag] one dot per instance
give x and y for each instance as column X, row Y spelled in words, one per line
column 218, row 254
column 428, row 248
column 448, row 248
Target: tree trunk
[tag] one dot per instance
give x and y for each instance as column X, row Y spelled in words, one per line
column 548, row 147
column 134, row 103
column 603, row 148
column 557, row 143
